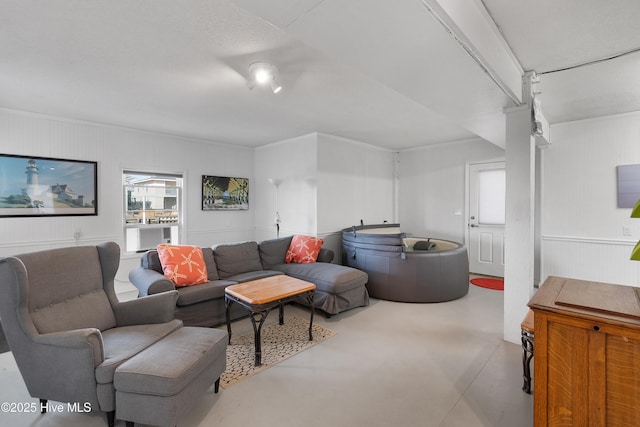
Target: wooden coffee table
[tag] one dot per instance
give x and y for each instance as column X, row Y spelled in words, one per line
column 260, row 296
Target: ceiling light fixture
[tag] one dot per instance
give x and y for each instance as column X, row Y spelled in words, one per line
column 263, row 74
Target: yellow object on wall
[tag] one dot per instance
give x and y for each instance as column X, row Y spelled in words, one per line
column 635, row 213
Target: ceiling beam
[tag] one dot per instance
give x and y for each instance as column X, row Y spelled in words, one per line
column 470, row 24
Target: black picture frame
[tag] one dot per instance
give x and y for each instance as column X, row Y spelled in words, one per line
column 224, row 193
column 34, row 186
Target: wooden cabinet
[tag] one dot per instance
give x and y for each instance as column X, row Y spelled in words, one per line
column 587, row 354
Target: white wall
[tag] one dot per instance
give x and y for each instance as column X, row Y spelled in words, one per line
column 432, row 187
column 355, row 182
column 326, row 183
column 581, row 224
column 115, row 149
column 291, row 163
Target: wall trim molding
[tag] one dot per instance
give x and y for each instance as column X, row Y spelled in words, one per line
column 591, row 240
column 95, row 240
column 219, row 230
column 289, row 232
column 330, row 233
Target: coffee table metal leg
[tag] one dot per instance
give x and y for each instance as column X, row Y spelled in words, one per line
column 257, row 320
column 281, row 315
column 310, row 299
column 227, row 303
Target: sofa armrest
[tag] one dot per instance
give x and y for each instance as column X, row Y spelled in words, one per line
column 158, row 308
column 150, row 282
column 325, row 255
column 86, row 339
column 73, row 355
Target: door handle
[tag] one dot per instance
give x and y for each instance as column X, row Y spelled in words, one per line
column 473, row 225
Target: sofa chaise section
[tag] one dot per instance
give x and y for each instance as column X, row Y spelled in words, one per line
column 338, row 288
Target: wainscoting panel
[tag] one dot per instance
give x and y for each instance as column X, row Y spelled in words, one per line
column 212, row 237
column 601, row 260
column 22, row 247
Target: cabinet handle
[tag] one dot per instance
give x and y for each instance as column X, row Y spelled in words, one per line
column 596, row 328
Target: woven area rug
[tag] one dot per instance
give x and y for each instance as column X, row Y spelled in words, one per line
column 279, row 342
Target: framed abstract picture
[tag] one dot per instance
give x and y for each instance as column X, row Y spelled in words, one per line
column 224, row 193
column 43, row 186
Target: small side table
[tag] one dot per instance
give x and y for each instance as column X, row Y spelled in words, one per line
column 260, row 296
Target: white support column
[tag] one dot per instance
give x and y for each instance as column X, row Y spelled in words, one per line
column 520, row 216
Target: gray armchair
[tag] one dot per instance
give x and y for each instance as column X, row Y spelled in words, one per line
column 69, row 333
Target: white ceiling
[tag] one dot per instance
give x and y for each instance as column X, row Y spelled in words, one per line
column 381, row 72
column 548, row 35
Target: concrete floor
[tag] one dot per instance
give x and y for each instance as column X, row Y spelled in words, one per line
column 390, row 364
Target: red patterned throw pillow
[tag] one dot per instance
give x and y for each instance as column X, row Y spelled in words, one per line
column 304, row 249
column 183, row 265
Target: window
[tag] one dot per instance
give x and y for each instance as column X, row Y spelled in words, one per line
column 152, row 213
column 491, row 196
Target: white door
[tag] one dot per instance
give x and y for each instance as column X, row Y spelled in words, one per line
column 486, row 217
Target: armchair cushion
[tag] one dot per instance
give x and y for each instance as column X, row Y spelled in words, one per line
column 66, row 290
column 86, row 310
column 122, row 343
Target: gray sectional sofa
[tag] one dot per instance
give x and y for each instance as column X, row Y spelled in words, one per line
column 338, row 288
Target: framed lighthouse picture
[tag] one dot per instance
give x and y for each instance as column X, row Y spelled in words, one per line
column 43, row 186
